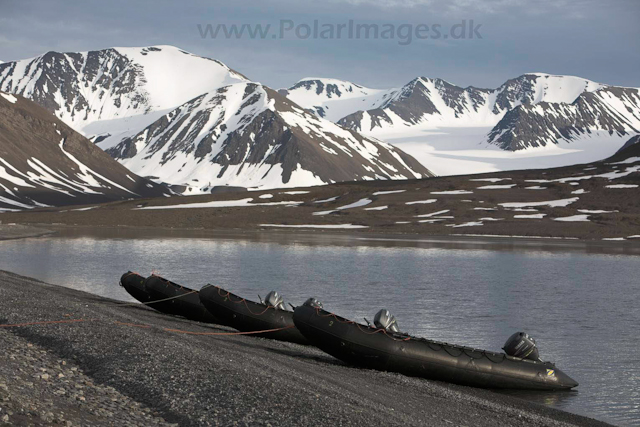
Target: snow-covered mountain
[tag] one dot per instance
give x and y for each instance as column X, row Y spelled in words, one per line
column 431, row 102
column 188, row 120
column 110, row 94
column 130, row 101
column 436, row 103
column 334, row 99
column 45, row 162
column 248, row 135
column 532, row 121
column 609, row 110
column 529, row 111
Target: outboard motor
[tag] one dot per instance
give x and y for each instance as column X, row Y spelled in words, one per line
column 312, row 302
column 385, row 320
column 521, row 345
column 274, row 299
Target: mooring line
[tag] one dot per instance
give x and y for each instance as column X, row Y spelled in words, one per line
column 151, row 302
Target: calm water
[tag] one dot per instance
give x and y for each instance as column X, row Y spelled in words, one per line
column 580, row 305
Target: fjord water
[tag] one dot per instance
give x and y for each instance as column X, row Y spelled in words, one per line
column 581, row 306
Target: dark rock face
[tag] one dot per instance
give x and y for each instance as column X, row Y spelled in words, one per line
column 73, row 81
column 516, row 91
column 631, row 142
column 45, row 162
column 261, row 131
column 546, row 123
column 331, row 90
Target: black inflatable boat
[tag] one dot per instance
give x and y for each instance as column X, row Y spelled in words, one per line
column 249, row 316
column 134, row 284
column 188, row 305
column 386, row 349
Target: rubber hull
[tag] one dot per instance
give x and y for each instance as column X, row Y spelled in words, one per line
column 248, row 316
column 188, row 306
column 133, row 283
column 370, row 347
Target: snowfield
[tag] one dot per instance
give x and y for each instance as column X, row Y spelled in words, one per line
column 464, row 150
column 327, row 226
column 220, row 204
column 552, row 203
column 12, row 99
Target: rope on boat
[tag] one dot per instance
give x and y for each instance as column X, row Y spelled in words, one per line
column 153, row 302
column 351, row 322
column 228, row 333
column 243, row 300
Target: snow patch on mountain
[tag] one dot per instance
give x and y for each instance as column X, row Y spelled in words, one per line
column 12, row 99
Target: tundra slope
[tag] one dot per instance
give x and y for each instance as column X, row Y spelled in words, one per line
column 597, row 201
column 45, row 162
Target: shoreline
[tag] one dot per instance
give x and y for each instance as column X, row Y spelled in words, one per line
column 336, row 238
column 18, row 231
column 219, row 380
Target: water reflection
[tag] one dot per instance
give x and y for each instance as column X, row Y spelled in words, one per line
column 581, row 306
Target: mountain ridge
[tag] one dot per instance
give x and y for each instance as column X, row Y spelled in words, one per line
column 121, row 85
column 431, row 103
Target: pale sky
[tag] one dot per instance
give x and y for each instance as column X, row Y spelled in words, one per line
column 598, row 40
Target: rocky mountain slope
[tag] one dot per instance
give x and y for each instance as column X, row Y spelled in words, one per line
column 111, row 93
column 45, row 162
column 608, row 110
column 248, row 135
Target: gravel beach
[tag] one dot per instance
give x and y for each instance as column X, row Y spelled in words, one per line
column 120, row 366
